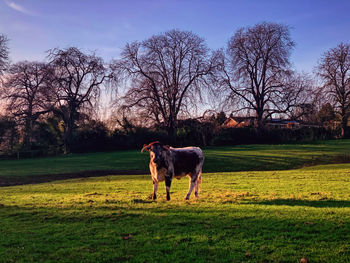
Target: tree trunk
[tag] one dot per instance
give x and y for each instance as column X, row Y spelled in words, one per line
column 171, row 127
column 344, row 125
column 171, row 131
column 70, row 119
column 12, row 138
column 259, row 122
column 27, row 140
column 68, row 135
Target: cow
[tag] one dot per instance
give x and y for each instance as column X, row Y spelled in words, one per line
column 167, row 162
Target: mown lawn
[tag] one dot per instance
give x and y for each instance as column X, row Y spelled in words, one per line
column 266, row 216
column 251, row 209
column 219, row 159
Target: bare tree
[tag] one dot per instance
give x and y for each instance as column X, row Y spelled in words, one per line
column 256, row 70
column 78, row 80
column 299, row 98
column 166, row 74
column 327, row 116
column 334, row 69
column 28, row 94
column 4, row 54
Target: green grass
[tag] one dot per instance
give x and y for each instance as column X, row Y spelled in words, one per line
column 244, row 214
column 121, row 160
column 219, row 159
column 271, row 216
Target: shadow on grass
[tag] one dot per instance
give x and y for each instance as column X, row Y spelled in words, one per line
column 37, row 179
column 177, row 235
column 309, row 203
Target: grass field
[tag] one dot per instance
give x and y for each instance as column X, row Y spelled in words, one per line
column 247, row 216
column 220, row 159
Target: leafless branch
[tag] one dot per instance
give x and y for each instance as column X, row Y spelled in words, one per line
column 166, row 73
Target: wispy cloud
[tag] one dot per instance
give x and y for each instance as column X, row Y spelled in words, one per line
column 18, row 7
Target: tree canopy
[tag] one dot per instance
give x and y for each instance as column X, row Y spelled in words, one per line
column 334, row 70
column 256, row 70
column 167, row 74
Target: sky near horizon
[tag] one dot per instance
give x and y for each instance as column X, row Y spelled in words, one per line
column 105, row 26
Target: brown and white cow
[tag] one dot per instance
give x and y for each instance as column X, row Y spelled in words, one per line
column 168, row 162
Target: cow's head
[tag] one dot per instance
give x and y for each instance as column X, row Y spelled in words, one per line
column 158, row 152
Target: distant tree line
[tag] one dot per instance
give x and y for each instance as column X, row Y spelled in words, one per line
column 165, row 86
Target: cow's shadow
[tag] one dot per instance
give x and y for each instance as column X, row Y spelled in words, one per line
column 143, row 201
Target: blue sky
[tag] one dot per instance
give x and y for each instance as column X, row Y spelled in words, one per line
column 34, row 26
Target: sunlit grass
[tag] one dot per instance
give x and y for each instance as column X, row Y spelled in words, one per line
column 267, row 216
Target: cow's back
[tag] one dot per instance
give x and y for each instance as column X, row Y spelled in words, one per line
column 187, row 160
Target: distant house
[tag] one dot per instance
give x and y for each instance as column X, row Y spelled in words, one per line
column 238, row 122
column 282, row 123
column 288, row 124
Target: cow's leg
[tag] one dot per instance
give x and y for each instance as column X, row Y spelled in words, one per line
column 153, row 170
column 155, row 189
column 198, row 184
column 168, row 180
column 193, row 182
